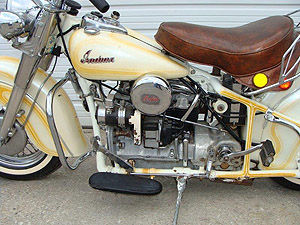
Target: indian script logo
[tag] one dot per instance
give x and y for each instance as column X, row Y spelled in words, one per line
column 150, row 99
column 88, row 60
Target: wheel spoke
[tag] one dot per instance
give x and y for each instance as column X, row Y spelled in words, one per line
column 29, row 149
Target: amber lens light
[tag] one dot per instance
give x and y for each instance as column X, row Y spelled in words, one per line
column 286, row 85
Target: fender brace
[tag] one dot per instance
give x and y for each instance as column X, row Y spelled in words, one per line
column 53, row 129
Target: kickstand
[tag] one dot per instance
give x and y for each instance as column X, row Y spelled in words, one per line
column 181, row 184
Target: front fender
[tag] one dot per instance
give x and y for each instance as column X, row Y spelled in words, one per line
column 73, row 140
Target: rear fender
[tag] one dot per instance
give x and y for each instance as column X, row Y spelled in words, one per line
column 285, row 140
column 73, row 140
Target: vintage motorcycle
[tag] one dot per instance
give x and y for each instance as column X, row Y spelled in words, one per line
column 165, row 116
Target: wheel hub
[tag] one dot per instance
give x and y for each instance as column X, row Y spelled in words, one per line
column 17, row 142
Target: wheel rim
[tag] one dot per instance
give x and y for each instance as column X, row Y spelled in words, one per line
column 19, row 153
column 27, row 158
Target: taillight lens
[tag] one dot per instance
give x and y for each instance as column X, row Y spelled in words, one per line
column 285, row 85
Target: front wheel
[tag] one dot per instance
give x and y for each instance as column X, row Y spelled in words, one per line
column 288, row 182
column 21, row 160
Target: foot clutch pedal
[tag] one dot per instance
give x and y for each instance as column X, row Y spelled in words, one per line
column 267, row 153
column 122, row 183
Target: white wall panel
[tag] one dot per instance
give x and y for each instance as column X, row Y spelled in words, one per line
column 145, row 16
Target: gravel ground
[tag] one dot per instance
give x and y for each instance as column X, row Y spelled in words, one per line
column 65, row 197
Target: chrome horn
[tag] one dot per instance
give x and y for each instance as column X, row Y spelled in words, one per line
column 11, row 24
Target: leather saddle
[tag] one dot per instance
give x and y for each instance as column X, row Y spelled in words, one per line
column 240, row 51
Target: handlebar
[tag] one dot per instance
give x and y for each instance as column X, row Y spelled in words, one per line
column 101, row 5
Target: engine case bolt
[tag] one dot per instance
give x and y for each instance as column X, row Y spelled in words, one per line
column 132, row 162
column 121, row 145
column 172, row 154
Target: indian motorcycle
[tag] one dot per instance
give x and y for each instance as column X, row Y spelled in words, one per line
column 165, row 117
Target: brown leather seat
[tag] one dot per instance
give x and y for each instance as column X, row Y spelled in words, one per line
column 241, row 51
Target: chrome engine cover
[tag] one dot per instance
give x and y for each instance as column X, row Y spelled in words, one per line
column 151, row 94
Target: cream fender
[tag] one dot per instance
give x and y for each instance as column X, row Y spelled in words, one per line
column 70, row 131
column 285, row 139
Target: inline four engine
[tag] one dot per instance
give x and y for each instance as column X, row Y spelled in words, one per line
column 146, row 127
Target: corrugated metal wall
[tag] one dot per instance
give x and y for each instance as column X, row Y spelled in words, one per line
column 146, row 15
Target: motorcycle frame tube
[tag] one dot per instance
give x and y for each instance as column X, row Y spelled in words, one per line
column 85, row 86
column 37, row 128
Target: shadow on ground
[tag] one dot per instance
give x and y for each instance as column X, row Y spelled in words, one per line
column 66, row 198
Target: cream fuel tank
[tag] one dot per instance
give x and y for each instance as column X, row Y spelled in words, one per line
column 104, row 50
